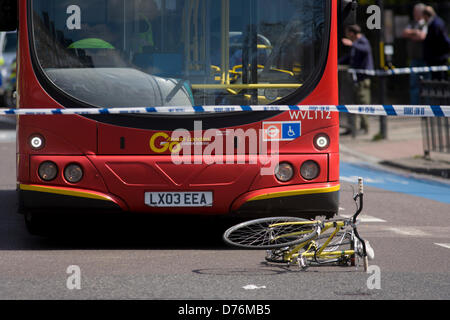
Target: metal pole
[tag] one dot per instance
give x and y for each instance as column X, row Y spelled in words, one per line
column 382, row 80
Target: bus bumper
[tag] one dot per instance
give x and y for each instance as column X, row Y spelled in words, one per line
column 306, row 200
column 47, row 199
column 297, row 200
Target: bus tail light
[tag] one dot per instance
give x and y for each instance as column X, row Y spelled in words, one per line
column 309, row 170
column 284, row 172
column 73, row 173
column 321, row 141
column 48, row 170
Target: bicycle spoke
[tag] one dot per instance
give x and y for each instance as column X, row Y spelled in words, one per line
column 265, row 233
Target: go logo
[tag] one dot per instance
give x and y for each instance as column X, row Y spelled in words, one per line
column 164, row 144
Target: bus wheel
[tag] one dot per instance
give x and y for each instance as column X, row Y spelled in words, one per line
column 35, row 223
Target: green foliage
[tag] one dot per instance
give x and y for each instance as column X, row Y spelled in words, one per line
column 377, row 137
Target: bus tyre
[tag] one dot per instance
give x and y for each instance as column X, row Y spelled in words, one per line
column 35, row 223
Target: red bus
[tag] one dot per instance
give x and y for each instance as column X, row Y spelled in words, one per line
column 142, row 53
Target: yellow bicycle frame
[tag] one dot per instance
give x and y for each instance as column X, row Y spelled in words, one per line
column 293, row 253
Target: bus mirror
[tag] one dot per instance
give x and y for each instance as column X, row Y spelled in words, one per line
column 8, row 15
column 348, row 12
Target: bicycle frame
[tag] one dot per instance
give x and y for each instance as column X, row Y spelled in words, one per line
column 313, row 252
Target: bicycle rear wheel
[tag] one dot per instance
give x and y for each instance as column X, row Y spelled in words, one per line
column 271, row 233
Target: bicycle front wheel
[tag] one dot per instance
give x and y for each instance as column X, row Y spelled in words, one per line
column 271, row 233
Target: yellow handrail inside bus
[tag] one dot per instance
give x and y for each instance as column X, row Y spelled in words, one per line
column 225, row 39
column 235, row 72
column 247, row 86
column 263, row 46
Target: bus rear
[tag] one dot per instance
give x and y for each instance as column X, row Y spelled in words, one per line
column 169, row 53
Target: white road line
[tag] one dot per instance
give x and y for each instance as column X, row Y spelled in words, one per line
column 354, row 179
column 388, row 231
column 365, row 218
column 445, row 245
column 253, row 287
column 408, row 231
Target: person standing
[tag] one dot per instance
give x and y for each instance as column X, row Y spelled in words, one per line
column 360, row 57
column 436, row 44
column 415, row 33
column 146, row 13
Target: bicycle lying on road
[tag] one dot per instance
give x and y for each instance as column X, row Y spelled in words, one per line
column 302, row 242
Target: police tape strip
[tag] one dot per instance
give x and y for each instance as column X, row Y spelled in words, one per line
column 397, row 71
column 377, row 110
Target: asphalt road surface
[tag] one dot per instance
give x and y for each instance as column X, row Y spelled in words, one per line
column 141, row 258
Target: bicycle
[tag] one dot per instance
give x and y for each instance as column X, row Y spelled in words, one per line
column 302, row 242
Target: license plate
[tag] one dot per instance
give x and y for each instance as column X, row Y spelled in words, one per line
column 179, row 199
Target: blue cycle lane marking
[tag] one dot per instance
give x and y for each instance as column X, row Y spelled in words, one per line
column 395, row 182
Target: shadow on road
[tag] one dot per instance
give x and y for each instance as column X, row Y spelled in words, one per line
column 262, row 271
column 89, row 231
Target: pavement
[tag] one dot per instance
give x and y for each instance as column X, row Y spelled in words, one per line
column 403, row 148
column 7, row 123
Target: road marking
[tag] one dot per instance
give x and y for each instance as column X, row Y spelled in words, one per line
column 253, row 287
column 408, row 231
column 388, row 231
column 445, row 245
column 354, row 179
column 390, row 181
column 365, row 218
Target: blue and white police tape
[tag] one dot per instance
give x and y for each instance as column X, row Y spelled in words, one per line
column 397, row 71
column 376, row 110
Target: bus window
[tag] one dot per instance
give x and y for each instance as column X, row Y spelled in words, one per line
column 11, row 42
column 228, row 51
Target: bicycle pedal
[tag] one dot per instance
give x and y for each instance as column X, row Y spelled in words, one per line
column 302, row 263
column 369, row 251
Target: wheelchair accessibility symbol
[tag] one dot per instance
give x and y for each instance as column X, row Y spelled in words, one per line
column 281, row 130
column 291, row 132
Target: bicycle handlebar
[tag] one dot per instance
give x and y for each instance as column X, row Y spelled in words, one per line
column 360, row 185
column 359, row 195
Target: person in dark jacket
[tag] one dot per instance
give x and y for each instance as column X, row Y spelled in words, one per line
column 360, row 57
column 436, row 42
column 414, row 34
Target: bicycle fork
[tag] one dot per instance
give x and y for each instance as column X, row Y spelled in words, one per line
column 360, row 196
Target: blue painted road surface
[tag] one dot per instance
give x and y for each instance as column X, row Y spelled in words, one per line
column 433, row 190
